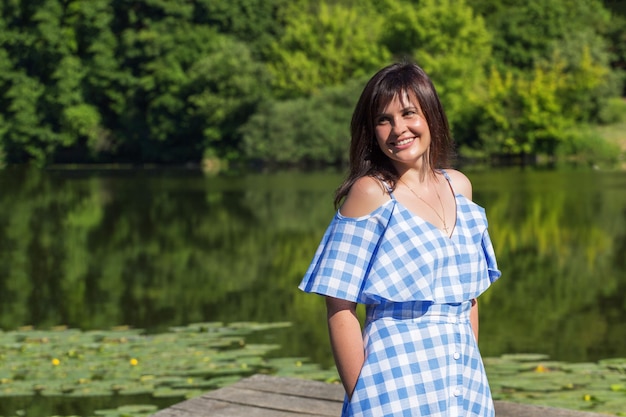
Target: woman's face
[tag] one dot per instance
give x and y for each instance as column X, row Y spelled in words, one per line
column 402, row 132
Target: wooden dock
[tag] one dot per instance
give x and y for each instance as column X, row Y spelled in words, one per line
column 271, row 396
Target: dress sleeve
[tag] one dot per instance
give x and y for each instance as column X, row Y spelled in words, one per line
column 343, row 258
column 490, row 257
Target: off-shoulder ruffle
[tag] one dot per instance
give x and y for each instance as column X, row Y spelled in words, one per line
column 396, row 256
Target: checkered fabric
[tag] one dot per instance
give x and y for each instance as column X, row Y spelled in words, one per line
column 416, row 282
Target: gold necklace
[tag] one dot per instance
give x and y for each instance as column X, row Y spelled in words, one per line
column 443, row 219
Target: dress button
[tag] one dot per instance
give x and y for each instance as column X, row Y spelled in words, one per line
column 457, row 392
column 456, row 355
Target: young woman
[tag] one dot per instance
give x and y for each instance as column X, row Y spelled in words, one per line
column 408, row 242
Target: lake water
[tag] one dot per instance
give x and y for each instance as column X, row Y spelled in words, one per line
column 160, row 248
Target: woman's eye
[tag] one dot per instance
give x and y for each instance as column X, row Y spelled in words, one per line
column 382, row 121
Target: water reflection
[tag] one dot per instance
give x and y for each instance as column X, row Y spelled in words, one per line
column 155, row 249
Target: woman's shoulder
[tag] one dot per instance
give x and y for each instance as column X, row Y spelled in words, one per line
column 460, row 183
column 366, row 195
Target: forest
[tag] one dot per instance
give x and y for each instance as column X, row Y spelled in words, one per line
column 274, row 82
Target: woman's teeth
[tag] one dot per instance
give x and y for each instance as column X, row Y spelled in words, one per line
column 404, row 142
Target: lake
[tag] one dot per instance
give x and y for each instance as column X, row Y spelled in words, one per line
column 92, row 249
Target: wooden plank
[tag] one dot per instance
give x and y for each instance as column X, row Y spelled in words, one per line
column 201, row 407
column 270, row 396
column 506, row 409
column 294, row 386
column 249, row 411
column 275, row 401
column 195, row 407
column 232, row 410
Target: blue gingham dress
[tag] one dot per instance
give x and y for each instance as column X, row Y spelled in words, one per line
column 421, row 358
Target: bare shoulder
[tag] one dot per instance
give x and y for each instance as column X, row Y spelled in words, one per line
column 460, row 182
column 365, row 196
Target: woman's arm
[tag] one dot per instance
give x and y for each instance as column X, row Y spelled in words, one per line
column 474, row 317
column 346, row 340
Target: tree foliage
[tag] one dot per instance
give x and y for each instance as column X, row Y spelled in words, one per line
column 118, row 80
column 313, row 130
column 175, row 82
column 525, row 32
column 530, row 113
column 448, row 40
column 327, row 45
column 616, row 35
column 255, row 22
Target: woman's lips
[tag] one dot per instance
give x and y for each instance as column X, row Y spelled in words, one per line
column 404, row 142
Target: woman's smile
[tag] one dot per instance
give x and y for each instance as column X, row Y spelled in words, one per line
column 402, row 131
column 403, row 142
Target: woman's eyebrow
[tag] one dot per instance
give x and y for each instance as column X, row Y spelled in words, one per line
column 405, row 108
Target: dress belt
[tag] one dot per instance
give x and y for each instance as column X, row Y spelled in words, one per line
column 422, row 311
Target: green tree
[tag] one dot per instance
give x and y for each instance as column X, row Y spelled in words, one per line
column 117, row 80
column 325, row 44
column 163, row 81
column 223, row 91
column 309, row 130
column 34, row 47
column 536, row 113
column 616, row 35
column 553, row 72
column 448, row 40
column 159, row 44
column 188, row 88
column 106, row 81
column 255, row 22
column 527, row 32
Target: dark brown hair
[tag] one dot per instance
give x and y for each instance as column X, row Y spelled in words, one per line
column 366, row 158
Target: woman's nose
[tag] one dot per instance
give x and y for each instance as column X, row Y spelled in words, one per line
column 399, row 127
